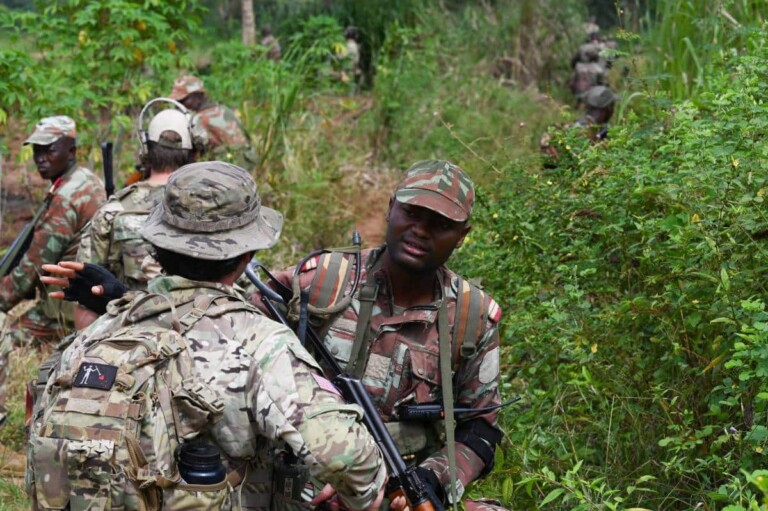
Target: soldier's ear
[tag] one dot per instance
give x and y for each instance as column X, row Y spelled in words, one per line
column 389, row 210
column 464, row 231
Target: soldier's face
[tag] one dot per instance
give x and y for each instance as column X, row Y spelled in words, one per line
column 420, row 240
column 53, row 160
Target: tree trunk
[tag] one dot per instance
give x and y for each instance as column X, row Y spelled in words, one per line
column 249, row 23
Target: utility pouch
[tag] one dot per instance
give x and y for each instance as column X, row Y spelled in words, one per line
column 194, row 497
column 292, row 488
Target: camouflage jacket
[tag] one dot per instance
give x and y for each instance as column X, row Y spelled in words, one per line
column 403, row 365
column 114, row 240
column 217, row 130
column 269, row 387
column 57, row 236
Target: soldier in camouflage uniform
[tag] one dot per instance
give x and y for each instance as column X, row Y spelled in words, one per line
column 263, row 388
column 399, row 349
column 114, row 240
column 76, row 195
column 217, row 132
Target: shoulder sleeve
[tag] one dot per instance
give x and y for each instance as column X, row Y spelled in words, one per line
column 291, row 401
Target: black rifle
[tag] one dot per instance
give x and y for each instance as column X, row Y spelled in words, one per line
column 20, row 245
column 109, row 178
column 403, row 481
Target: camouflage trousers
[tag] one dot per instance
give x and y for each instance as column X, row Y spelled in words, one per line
column 27, row 327
column 483, row 505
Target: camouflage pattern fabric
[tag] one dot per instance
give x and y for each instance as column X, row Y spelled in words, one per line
column 268, row 396
column 403, row 365
column 217, row 133
column 50, row 129
column 114, row 238
column 56, row 238
column 274, row 52
column 585, row 76
column 440, row 186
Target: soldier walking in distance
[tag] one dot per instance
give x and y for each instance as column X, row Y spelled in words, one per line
column 232, row 381
column 217, row 132
column 76, row 193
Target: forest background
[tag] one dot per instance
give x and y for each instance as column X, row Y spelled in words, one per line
column 630, row 275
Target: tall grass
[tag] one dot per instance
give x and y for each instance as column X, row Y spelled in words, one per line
column 684, row 38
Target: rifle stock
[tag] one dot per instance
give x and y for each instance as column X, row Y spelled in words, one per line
column 402, row 479
column 109, row 178
column 21, row 243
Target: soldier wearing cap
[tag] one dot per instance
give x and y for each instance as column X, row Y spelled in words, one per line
column 76, row 194
column 217, row 131
column 599, row 102
column 391, row 332
column 204, row 232
column 114, row 240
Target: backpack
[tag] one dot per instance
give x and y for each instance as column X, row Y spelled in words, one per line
column 586, row 76
column 106, row 435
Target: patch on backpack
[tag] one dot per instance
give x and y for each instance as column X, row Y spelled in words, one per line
column 95, row 376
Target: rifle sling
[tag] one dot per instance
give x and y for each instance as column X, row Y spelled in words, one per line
column 446, row 381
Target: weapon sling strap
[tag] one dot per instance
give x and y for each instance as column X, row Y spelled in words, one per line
column 366, row 297
column 446, row 381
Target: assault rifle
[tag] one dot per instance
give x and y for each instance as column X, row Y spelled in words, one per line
column 403, row 481
column 20, row 245
column 106, row 156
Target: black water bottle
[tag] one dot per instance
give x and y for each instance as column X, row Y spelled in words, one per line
column 200, row 464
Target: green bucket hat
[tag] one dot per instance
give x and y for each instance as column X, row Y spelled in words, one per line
column 440, row 186
column 211, row 210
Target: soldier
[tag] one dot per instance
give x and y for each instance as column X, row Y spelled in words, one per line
column 76, row 194
column 599, row 102
column 114, row 240
column 393, row 323
column 351, row 71
column 254, row 384
column 217, row 132
column 271, row 44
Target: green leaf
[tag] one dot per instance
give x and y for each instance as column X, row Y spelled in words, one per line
column 554, row 494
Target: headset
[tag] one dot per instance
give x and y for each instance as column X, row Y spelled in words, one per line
column 142, row 131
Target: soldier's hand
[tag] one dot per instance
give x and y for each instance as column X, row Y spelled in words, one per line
column 88, row 284
column 329, row 499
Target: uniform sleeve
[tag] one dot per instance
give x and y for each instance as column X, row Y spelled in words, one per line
column 290, row 401
column 477, row 386
column 95, row 243
column 51, row 238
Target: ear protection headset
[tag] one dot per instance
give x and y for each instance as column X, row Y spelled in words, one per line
column 142, row 131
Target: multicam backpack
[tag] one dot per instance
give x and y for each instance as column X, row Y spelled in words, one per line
column 106, row 435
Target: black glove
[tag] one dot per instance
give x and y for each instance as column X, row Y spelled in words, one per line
column 79, row 289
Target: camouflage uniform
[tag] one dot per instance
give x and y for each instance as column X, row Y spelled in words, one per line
column 217, row 132
column 403, row 362
column 114, row 239
column 274, row 52
column 267, row 388
column 77, row 195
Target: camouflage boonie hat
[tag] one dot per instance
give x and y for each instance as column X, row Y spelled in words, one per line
column 50, row 129
column 438, row 185
column 600, row 96
column 186, row 85
column 211, row 210
column 170, row 120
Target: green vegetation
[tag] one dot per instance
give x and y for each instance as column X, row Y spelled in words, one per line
column 631, row 275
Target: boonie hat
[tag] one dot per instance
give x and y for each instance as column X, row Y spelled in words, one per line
column 440, row 186
column 211, row 210
column 50, row 129
column 170, row 120
column 186, row 85
column 600, row 96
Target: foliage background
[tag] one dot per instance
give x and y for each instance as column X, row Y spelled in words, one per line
column 630, row 273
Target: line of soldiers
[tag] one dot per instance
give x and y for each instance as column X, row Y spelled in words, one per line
column 589, row 85
column 229, row 377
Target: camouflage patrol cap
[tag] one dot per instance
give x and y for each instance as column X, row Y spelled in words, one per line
column 211, row 210
column 599, row 96
column 50, row 129
column 438, row 185
column 170, row 120
column 186, row 85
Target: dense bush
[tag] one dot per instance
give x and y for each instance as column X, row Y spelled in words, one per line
column 632, row 281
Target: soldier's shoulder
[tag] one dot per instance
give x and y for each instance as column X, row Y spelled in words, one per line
column 473, row 295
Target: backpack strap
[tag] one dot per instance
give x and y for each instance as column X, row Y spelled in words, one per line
column 474, row 308
column 367, row 298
